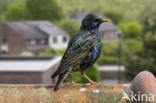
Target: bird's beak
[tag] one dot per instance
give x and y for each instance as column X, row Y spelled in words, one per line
column 106, row 20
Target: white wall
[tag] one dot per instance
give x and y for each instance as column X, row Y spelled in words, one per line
column 59, row 44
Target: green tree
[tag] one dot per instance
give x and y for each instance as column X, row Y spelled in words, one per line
column 69, row 25
column 131, row 30
column 2, row 17
column 114, row 15
column 148, row 17
column 44, row 10
column 16, row 11
column 4, row 4
column 142, row 60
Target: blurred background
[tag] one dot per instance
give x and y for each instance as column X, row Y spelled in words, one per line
column 34, row 35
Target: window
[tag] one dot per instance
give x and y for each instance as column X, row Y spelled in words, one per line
column 41, row 41
column 4, row 46
column 31, row 42
column 54, row 39
column 64, row 39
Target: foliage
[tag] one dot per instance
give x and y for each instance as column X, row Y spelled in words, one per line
column 130, row 9
column 142, row 60
column 50, row 52
column 141, row 8
column 46, row 52
column 148, row 17
column 110, row 51
column 4, row 4
column 34, row 10
column 92, row 73
column 44, row 10
column 130, row 30
column 69, row 25
column 131, row 45
column 114, row 15
column 59, row 52
column 2, row 17
column 107, row 60
column 16, row 11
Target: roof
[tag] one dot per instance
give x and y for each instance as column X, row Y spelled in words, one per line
column 28, row 65
column 35, row 29
column 107, row 26
column 26, row 30
column 47, row 27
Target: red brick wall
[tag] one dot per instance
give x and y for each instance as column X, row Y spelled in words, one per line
column 17, row 44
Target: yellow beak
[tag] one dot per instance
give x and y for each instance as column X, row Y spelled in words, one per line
column 106, row 20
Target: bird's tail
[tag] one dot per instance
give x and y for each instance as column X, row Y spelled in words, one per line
column 57, row 72
column 59, row 81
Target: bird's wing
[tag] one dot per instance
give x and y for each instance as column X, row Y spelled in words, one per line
column 77, row 48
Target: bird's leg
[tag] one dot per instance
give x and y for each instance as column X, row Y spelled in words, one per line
column 92, row 82
column 71, row 80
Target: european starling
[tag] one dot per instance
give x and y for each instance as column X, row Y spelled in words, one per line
column 82, row 51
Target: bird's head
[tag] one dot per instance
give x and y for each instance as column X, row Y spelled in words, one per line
column 92, row 21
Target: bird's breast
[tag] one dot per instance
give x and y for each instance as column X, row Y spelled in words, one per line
column 96, row 51
column 97, row 47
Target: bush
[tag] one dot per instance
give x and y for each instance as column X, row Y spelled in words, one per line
column 142, row 60
column 50, row 52
column 2, row 17
column 46, row 52
column 109, row 53
column 130, row 46
column 92, row 73
column 59, row 52
column 130, row 30
column 107, row 60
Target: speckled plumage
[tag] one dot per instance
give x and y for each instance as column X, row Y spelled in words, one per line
column 82, row 51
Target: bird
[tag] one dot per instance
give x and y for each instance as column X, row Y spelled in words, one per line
column 82, row 50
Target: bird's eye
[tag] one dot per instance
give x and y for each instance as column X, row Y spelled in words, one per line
column 96, row 20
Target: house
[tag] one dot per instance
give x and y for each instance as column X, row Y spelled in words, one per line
column 108, row 30
column 58, row 38
column 33, row 36
column 27, row 70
